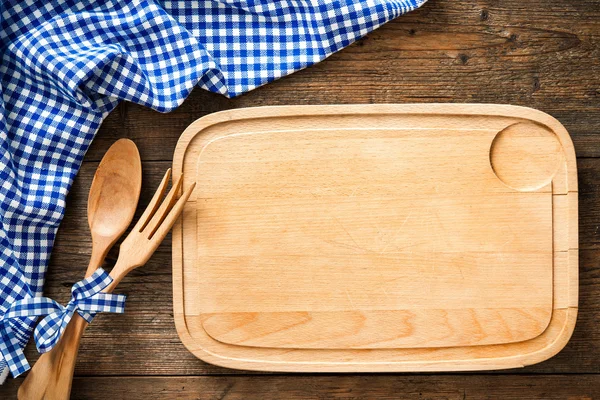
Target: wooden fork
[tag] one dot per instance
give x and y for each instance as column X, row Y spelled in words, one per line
column 54, row 379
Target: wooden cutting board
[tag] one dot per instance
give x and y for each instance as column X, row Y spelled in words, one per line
column 376, row 238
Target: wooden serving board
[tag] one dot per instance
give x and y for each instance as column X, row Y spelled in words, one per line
column 376, row 238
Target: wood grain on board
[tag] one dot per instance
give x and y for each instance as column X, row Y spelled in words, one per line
column 376, row 238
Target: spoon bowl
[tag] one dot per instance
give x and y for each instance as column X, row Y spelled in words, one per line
column 114, row 194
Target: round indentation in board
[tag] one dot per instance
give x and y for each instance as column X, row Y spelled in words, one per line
column 526, row 156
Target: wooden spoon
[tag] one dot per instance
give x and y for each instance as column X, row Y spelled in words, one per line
column 112, row 203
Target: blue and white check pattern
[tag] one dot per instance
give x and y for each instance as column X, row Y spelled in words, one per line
column 87, row 299
column 66, row 64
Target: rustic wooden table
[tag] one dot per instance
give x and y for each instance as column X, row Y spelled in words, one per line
column 538, row 53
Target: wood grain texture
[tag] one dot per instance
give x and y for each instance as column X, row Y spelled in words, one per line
column 344, row 387
column 283, row 246
column 540, row 53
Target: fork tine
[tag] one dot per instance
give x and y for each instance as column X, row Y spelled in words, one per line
column 168, row 222
column 164, row 208
column 154, row 203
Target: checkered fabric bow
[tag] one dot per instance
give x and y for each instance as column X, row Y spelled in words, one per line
column 87, row 299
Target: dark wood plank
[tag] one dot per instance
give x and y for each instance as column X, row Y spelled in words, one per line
column 347, row 387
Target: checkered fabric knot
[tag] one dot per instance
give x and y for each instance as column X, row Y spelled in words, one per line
column 87, row 299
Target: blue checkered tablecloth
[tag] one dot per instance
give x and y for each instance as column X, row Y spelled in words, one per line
column 67, row 64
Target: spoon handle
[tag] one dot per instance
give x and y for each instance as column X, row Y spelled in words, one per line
column 52, row 374
column 48, row 379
